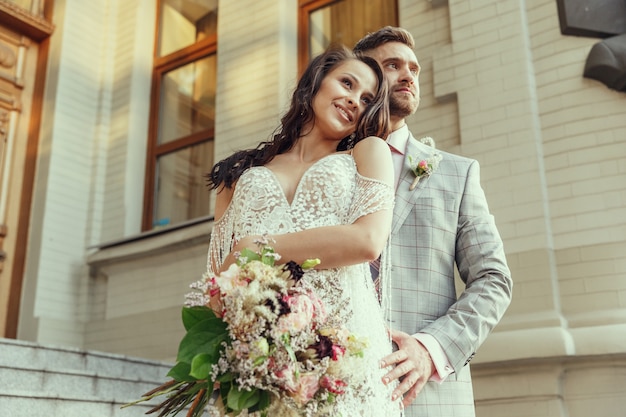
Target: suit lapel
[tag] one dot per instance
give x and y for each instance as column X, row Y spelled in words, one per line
column 405, row 198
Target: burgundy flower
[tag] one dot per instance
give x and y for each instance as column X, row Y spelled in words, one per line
column 294, row 269
column 324, row 347
column 280, row 306
column 284, row 307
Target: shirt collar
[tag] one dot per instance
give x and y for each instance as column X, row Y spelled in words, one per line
column 399, row 138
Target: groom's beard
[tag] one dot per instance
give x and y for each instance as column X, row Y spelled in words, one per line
column 401, row 105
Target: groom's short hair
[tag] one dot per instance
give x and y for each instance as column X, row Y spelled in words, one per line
column 382, row 36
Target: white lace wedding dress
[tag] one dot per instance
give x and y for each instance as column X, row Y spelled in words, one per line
column 331, row 192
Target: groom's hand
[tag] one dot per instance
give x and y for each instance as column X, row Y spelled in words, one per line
column 412, row 366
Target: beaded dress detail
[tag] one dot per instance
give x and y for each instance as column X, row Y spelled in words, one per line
column 331, row 192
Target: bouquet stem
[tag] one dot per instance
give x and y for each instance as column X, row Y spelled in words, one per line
column 197, row 401
column 160, row 390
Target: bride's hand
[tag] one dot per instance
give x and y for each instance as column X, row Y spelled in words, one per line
column 244, row 242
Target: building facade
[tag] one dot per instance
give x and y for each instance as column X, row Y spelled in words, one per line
column 91, row 262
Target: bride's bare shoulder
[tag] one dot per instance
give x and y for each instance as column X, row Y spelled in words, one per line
column 222, row 200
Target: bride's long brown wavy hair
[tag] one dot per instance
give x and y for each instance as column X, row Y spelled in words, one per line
column 373, row 122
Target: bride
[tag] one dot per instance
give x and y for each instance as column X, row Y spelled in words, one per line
column 298, row 187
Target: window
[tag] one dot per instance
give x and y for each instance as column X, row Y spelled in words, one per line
column 325, row 22
column 35, row 7
column 182, row 114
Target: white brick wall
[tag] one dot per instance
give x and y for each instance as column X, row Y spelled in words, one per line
column 89, row 188
column 567, row 388
column 584, row 132
column 551, row 148
column 584, row 129
column 63, row 186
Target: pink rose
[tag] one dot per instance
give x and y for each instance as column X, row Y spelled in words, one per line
column 300, row 316
column 308, row 385
column 228, row 280
column 286, row 377
column 319, row 310
column 423, row 164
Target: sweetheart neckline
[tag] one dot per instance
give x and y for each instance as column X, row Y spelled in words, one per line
column 300, row 181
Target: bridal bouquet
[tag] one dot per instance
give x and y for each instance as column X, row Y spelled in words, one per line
column 258, row 341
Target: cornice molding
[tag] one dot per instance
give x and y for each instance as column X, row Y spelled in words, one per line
column 23, row 22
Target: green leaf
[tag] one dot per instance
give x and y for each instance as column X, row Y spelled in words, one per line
column 310, row 263
column 232, row 399
column 249, row 399
column 264, row 402
column 287, row 341
column 180, row 372
column 194, row 315
column 267, row 256
column 202, row 364
column 250, row 255
column 204, row 337
column 227, row 377
column 242, row 399
column 259, row 360
column 224, row 391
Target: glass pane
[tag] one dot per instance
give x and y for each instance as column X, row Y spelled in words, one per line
column 181, row 191
column 35, row 7
column 347, row 21
column 185, row 22
column 187, row 102
column 24, row 4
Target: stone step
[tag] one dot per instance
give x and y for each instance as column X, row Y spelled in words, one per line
column 50, row 358
column 38, row 380
column 28, row 405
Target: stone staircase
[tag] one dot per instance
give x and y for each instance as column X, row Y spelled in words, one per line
column 45, row 381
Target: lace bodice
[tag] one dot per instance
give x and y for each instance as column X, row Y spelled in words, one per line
column 331, row 192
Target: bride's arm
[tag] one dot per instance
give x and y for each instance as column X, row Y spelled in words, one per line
column 222, row 200
column 215, row 262
column 341, row 245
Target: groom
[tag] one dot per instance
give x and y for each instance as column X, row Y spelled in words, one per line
column 440, row 221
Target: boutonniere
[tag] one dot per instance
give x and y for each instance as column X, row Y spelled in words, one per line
column 424, row 167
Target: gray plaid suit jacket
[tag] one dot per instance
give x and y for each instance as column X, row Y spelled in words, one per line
column 445, row 221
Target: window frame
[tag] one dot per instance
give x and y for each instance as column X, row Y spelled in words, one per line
column 162, row 65
column 305, row 8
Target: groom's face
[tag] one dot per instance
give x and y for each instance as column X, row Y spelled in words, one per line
column 401, row 70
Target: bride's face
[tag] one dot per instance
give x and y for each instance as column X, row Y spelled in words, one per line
column 344, row 95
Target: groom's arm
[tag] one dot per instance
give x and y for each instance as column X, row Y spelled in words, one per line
column 481, row 262
column 465, row 325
